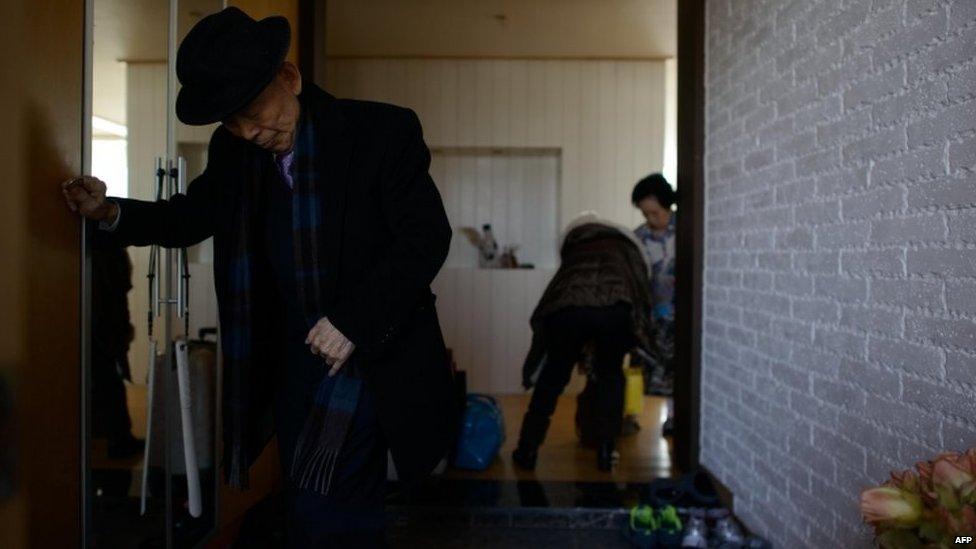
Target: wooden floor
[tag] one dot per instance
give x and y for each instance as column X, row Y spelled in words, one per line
column 643, row 456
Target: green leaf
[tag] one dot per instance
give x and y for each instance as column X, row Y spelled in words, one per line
column 899, row 539
column 947, row 497
column 931, row 530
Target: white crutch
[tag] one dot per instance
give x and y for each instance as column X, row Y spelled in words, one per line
column 149, row 407
column 186, row 417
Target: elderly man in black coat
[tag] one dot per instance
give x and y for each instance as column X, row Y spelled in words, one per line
column 327, row 232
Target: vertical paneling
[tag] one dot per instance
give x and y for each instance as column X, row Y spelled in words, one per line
column 482, row 315
column 414, row 85
column 501, row 103
column 146, row 116
column 518, row 130
column 606, row 142
column 517, row 204
column 467, row 324
column 431, row 112
column 605, row 117
column 467, row 201
column 515, row 192
column 623, row 153
column 571, row 117
column 553, row 72
column 448, row 103
column 535, row 103
column 485, row 318
column 467, row 102
column 483, row 104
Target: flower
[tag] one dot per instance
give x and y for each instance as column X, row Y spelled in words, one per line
column 888, row 505
column 963, row 521
column 952, row 473
column 922, row 508
column 905, row 480
column 946, row 471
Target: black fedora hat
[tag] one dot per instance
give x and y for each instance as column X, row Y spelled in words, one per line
column 225, row 61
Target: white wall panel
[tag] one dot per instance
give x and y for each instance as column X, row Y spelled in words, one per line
column 485, row 318
column 609, row 114
column 516, row 190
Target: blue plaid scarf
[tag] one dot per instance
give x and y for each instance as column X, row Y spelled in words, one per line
column 336, row 398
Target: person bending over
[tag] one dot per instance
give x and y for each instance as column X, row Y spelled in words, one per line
column 599, row 299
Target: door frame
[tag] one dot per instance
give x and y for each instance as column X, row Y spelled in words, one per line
column 690, row 232
column 87, row 64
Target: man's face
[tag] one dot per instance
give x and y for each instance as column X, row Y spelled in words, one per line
column 271, row 119
column 656, row 215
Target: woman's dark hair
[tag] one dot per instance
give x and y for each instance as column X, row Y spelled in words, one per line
column 654, row 185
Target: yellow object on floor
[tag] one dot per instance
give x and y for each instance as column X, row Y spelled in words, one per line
column 633, row 389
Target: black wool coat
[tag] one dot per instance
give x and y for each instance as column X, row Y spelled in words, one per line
column 387, row 236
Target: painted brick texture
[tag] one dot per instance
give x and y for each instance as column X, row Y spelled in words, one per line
column 840, row 287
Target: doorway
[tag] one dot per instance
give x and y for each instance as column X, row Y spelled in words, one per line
column 517, row 76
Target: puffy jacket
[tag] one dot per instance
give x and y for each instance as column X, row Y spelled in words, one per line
column 601, row 264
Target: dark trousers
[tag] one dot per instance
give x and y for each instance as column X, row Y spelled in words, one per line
column 352, row 515
column 567, row 331
column 110, row 413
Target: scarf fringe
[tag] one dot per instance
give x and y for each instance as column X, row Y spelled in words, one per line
column 319, row 444
column 238, row 471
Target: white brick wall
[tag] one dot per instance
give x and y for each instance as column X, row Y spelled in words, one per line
column 840, row 290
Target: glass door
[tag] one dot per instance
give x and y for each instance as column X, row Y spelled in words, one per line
column 193, row 457
column 153, row 384
column 126, row 503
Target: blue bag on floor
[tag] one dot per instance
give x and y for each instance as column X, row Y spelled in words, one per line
column 482, row 433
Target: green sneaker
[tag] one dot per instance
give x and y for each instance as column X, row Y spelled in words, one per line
column 667, row 519
column 642, row 519
column 668, row 527
column 641, row 530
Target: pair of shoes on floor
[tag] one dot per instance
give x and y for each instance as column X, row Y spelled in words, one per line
column 695, row 535
column 687, row 491
column 729, row 534
column 606, row 457
column 650, row 528
column 725, row 534
column 667, row 430
column 524, row 458
column 630, row 426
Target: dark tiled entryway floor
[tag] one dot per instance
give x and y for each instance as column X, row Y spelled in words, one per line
column 511, row 537
column 506, row 527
